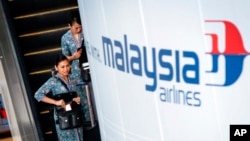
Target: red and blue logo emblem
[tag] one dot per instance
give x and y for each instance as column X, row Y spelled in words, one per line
column 234, row 53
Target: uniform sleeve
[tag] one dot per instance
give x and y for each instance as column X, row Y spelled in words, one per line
column 44, row 89
column 65, row 46
column 75, row 79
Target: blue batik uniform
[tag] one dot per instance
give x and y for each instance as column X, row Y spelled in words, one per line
column 56, row 87
column 69, row 46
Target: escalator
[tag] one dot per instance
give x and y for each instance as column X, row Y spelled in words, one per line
column 36, row 28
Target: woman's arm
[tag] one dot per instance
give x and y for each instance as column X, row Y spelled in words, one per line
column 47, row 87
column 54, row 102
column 75, row 55
column 65, row 44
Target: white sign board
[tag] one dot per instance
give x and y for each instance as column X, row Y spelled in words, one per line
column 168, row 70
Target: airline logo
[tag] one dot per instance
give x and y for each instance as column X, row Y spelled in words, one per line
column 234, row 53
column 133, row 59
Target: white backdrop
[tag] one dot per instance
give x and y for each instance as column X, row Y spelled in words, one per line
column 193, row 55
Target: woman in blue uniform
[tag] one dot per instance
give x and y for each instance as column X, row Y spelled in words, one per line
column 72, row 43
column 54, row 85
column 72, row 47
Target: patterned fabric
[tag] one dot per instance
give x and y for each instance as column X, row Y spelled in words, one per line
column 56, row 87
column 69, row 46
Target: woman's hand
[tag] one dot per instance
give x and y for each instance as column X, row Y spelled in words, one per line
column 60, row 103
column 77, row 100
column 77, row 54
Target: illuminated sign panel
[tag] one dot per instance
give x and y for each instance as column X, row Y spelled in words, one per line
column 168, row 70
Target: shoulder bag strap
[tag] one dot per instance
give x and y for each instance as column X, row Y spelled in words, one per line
column 63, row 83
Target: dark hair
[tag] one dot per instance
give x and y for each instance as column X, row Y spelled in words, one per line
column 75, row 18
column 59, row 58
